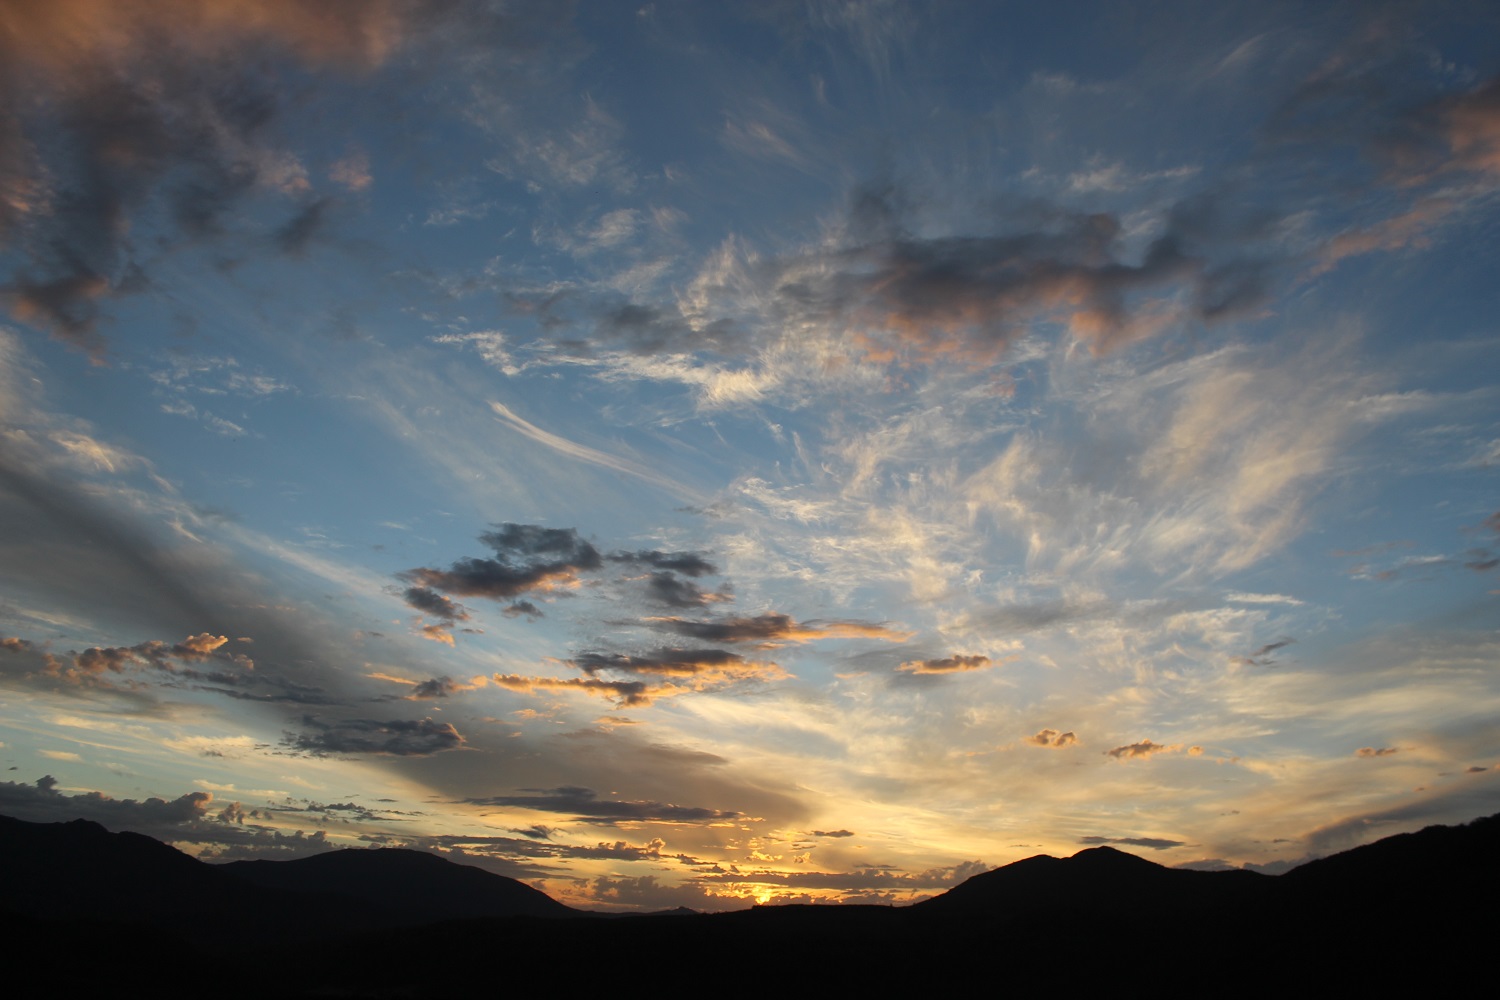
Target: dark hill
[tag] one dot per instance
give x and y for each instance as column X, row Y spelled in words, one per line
column 1400, row 914
column 412, row 887
column 1098, row 881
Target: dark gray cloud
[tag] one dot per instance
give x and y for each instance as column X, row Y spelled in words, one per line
column 1481, row 560
column 297, row 233
column 396, row 737
column 955, row 664
column 116, row 149
column 666, row 588
column 833, row 833
column 1271, row 647
column 1262, row 656
column 772, row 629
column 693, row 564
column 437, row 687
column 41, row 802
column 1376, row 751
column 1155, row 843
column 627, row 694
column 527, row 557
column 518, row 608
column 187, row 819
column 584, row 805
column 663, row 662
column 1146, row 749
column 432, row 603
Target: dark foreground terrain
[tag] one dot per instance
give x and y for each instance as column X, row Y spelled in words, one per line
column 84, row 910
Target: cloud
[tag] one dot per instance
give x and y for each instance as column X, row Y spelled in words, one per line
column 693, row 564
column 294, row 236
column 43, row 803
column 590, row 455
column 702, row 669
column 947, row 665
column 91, row 666
column 528, row 557
column 666, row 588
column 1262, row 656
column 178, row 132
column 1143, row 749
column 1053, row 738
column 860, row 879
column 775, row 629
column 648, row 892
column 396, row 737
column 627, row 694
column 432, row 603
column 584, row 805
column 1376, row 751
column 1155, row 843
column 442, row 687
column 665, row 662
column 832, row 833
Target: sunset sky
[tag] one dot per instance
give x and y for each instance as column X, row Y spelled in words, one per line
column 695, row 454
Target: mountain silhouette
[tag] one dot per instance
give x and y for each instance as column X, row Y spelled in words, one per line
column 1093, row 881
column 412, row 886
column 1391, row 915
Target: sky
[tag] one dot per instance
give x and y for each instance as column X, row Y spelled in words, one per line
column 705, row 454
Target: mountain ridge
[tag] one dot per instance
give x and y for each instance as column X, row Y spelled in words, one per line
column 1091, row 917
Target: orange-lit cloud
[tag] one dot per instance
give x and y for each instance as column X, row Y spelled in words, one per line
column 89, row 665
column 947, row 665
column 1146, row 749
column 775, row 629
column 1054, row 738
column 1410, row 228
column 625, row 693
column 1473, row 129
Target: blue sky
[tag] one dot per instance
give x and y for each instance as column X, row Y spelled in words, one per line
column 688, row 453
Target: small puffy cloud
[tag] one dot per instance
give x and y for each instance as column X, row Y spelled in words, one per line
column 430, row 602
column 352, row 172
column 442, row 687
column 1376, row 751
column 528, row 557
column 947, row 665
column 1144, row 749
column 666, row 588
column 833, row 833
column 1053, row 738
column 396, row 737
